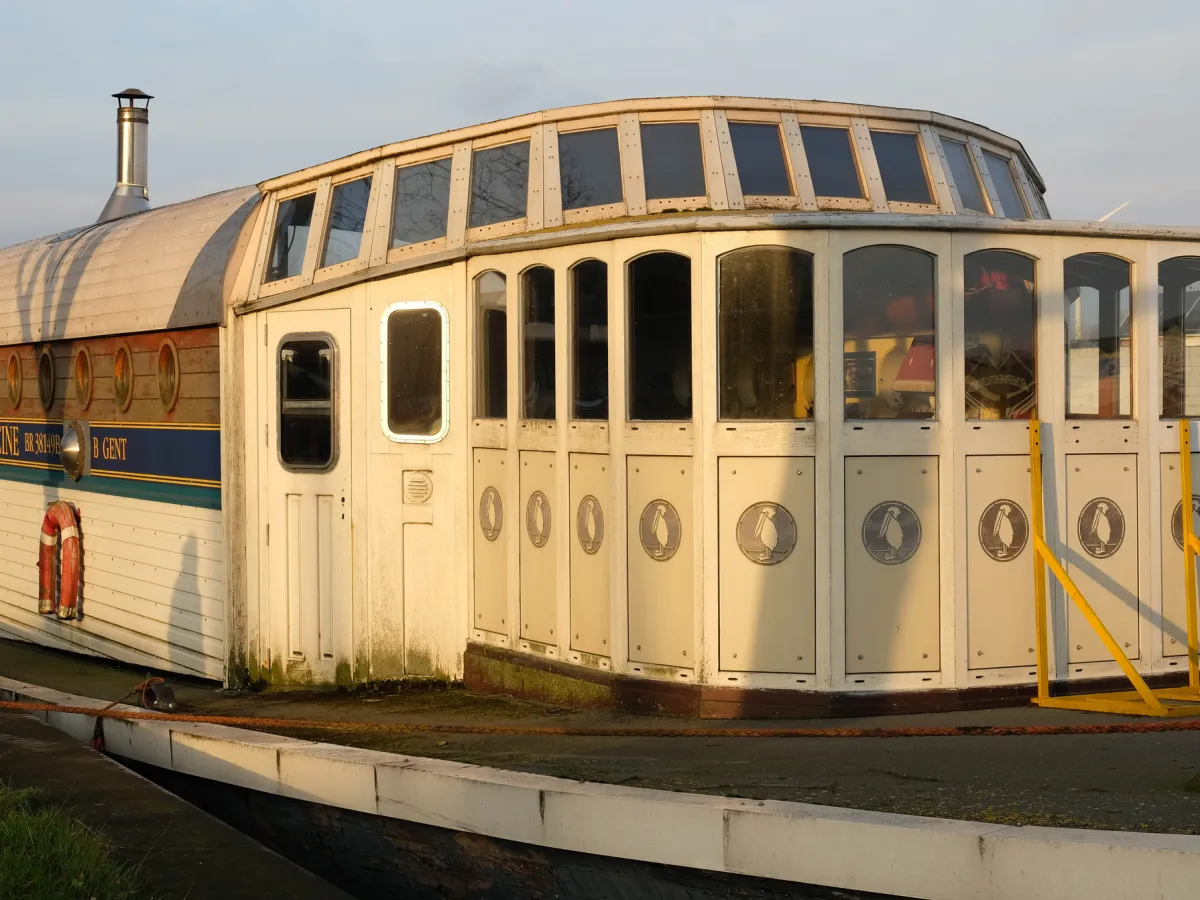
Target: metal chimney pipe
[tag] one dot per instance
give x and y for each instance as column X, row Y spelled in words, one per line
column 132, row 193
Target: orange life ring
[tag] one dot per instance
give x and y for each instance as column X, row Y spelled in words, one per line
column 59, row 524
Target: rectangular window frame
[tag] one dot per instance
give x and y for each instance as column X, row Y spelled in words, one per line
column 854, row 204
column 312, row 249
column 361, row 261
column 332, row 403
column 533, row 183
column 683, row 204
column 603, row 210
column 384, row 423
column 891, row 125
column 392, row 169
column 1013, row 168
column 984, row 185
column 790, row 163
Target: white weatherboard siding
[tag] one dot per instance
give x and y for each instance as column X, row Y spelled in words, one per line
column 859, row 850
column 153, row 579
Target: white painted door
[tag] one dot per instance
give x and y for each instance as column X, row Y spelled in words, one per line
column 308, row 476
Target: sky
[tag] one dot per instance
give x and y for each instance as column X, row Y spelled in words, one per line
column 1105, row 96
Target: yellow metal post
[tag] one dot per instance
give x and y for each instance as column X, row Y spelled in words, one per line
column 1098, row 626
column 1189, row 550
column 1039, row 572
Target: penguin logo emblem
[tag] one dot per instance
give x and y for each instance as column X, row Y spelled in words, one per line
column 1177, row 520
column 491, row 513
column 766, row 533
column 537, row 519
column 589, row 524
column 891, row 532
column 1101, row 527
column 660, row 530
column 1003, row 530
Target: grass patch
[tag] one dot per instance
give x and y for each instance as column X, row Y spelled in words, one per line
column 47, row 855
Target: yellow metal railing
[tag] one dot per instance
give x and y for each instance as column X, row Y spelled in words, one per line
column 1143, row 700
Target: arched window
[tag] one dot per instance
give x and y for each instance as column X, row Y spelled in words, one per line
column 889, row 333
column 537, row 327
column 589, row 295
column 1179, row 335
column 765, row 324
column 1099, row 361
column 491, row 346
column 660, row 337
column 1000, row 325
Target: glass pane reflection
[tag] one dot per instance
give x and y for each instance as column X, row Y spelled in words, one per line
column 421, row 203
column 966, row 179
column 1006, row 186
column 414, row 360
column 660, row 337
column 1099, row 361
column 672, row 163
column 758, row 152
column 589, row 288
column 1000, row 324
column 347, row 218
column 590, row 168
column 499, row 184
column 491, row 299
column 1179, row 335
column 831, row 161
column 888, row 328
column 292, row 221
column 537, row 289
column 765, row 323
column 899, row 157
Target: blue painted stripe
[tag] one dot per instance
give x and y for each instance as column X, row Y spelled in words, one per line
column 171, row 463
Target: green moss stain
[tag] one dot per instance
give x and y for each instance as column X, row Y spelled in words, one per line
column 537, row 685
column 342, row 675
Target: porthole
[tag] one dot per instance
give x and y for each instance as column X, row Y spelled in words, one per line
column 15, row 380
column 45, row 378
column 168, row 375
column 83, row 378
column 123, row 377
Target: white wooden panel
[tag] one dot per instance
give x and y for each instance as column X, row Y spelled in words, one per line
column 493, row 518
column 768, row 571
column 1000, row 621
column 1174, row 597
column 153, row 582
column 589, row 527
column 421, row 625
column 540, row 521
column 1102, row 551
column 661, row 530
column 892, row 564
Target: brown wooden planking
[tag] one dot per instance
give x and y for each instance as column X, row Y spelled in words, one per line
column 199, row 385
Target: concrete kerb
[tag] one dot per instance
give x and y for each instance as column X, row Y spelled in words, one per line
column 938, row 859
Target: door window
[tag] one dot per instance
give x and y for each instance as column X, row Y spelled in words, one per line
column 888, row 327
column 1000, row 327
column 1099, row 338
column 307, row 386
column 416, row 393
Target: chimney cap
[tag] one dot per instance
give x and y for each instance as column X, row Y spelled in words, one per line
column 132, row 94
